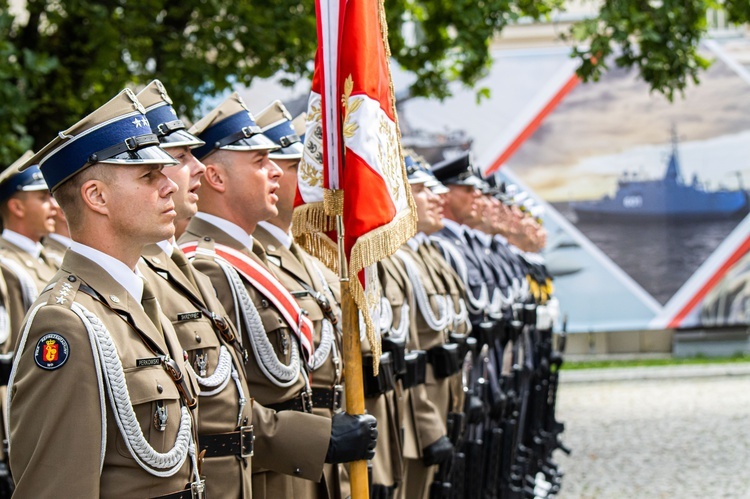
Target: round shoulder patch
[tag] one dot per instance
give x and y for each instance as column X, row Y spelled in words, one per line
column 51, row 351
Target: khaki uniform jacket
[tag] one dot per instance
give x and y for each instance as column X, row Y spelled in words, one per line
column 226, row 476
column 290, row 268
column 55, row 249
column 427, row 407
column 56, row 416
column 298, row 448
column 26, row 269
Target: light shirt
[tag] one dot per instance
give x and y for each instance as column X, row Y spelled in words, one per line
column 167, row 247
column 125, row 277
column 281, row 236
column 419, row 238
column 484, row 238
column 32, row 248
column 65, row 241
column 454, row 227
column 231, row 228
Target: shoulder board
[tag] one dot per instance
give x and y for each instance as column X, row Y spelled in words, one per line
column 64, row 291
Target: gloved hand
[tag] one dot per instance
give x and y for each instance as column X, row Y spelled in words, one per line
column 353, row 438
column 437, row 452
column 474, row 409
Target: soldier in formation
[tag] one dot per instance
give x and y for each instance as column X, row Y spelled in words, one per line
column 165, row 336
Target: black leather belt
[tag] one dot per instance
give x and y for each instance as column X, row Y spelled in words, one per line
column 328, row 398
column 236, row 443
column 195, row 490
column 300, row 403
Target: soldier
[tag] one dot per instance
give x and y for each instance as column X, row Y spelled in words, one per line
column 435, row 312
column 57, row 242
column 238, row 191
column 28, row 214
column 101, row 403
column 187, row 298
column 307, row 279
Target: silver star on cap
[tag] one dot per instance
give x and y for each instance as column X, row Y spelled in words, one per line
column 137, row 123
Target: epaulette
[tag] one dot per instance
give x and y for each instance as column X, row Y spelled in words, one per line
column 64, row 291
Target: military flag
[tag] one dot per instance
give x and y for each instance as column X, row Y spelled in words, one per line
column 352, row 165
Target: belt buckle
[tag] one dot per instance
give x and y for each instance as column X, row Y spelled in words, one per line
column 338, row 396
column 198, row 489
column 306, row 399
column 251, row 436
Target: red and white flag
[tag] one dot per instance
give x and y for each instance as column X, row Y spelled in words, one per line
column 353, row 165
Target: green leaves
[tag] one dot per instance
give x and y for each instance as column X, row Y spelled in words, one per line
column 71, row 56
column 657, row 37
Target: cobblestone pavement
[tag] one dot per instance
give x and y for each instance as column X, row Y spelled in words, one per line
column 673, row 438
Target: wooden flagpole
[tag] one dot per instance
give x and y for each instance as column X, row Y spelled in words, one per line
column 353, row 382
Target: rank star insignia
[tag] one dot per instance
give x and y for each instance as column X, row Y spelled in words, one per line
column 59, row 300
column 137, row 123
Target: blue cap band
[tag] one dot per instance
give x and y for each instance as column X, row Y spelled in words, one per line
column 159, row 115
column 74, row 154
column 282, row 134
column 220, row 130
column 17, row 182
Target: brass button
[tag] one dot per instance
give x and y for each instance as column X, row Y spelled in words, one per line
column 297, row 471
column 264, row 303
column 155, row 259
column 159, row 388
column 72, row 278
column 198, row 338
column 114, row 298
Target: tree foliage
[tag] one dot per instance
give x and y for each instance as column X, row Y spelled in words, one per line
column 69, row 56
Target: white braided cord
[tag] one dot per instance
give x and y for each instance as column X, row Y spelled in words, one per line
column 276, row 371
column 97, row 368
column 324, row 348
column 435, row 322
column 4, row 325
column 29, row 291
column 477, row 304
column 154, row 462
column 217, row 381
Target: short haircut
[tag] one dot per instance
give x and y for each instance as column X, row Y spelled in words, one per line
column 68, row 194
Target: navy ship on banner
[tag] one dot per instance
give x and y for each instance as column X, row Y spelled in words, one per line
column 666, row 199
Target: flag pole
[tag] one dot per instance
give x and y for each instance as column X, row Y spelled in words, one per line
column 354, row 382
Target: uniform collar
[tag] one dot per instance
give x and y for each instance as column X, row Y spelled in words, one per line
column 167, row 247
column 281, row 236
column 65, row 241
column 484, row 238
column 231, row 228
column 23, row 242
column 454, row 226
column 125, row 277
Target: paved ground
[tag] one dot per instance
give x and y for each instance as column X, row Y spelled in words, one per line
column 656, row 438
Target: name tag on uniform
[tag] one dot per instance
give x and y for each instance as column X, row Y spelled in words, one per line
column 188, row 316
column 153, row 361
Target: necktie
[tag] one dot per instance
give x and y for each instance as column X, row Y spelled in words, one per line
column 150, row 305
column 178, row 257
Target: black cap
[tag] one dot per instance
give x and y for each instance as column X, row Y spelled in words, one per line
column 457, row 171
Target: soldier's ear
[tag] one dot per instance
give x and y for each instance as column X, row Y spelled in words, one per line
column 16, row 207
column 93, row 194
column 215, row 177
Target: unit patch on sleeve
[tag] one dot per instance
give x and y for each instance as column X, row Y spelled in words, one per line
column 51, row 352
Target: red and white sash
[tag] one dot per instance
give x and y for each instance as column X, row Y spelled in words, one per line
column 267, row 284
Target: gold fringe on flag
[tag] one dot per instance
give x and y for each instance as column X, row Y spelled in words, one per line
column 333, row 202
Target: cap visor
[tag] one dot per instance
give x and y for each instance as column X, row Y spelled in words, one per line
column 257, row 142
column 292, row 151
column 151, row 155
column 36, row 186
column 419, row 177
column 180, row 138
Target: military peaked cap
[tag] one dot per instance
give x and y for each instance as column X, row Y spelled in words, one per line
column 457, row 171
column 276, row 123
column 231, row 127
column 12, row 180
column 117, row 133
column 163, row 119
